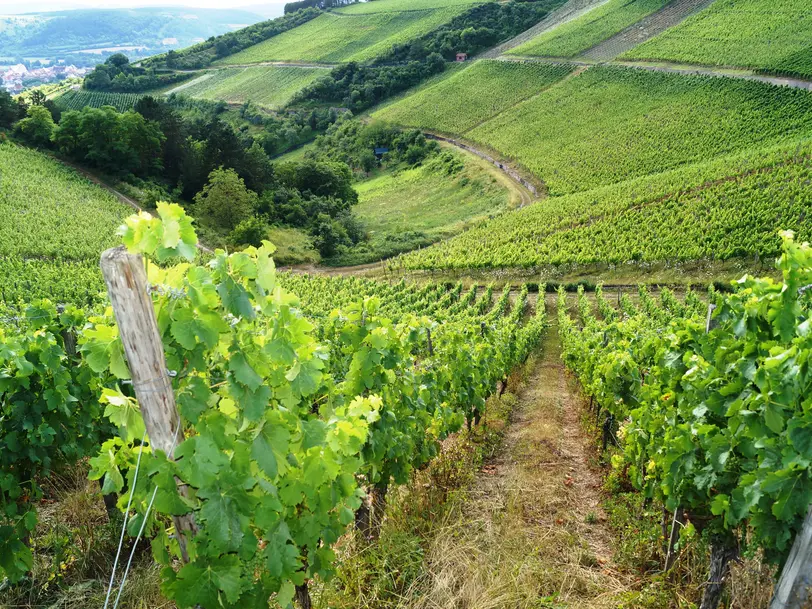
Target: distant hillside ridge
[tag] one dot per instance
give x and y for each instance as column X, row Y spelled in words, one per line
column 92, row 33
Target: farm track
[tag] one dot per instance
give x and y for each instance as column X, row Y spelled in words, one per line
column 119, row 195
column 531, row 524
column 528, row 191
column 571, row 10
column 670, row 15
column 673, row 68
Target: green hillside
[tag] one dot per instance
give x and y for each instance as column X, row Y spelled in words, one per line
column 338, row 37
column 588, row 30
column 412, row 208
column 612, row 124
column 56, row 224
column 730, row 208
column 268, row 86
column 770, row 35
column 469, row 97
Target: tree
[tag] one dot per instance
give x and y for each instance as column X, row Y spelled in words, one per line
column 10, row 110
column 368, row 161
column 37, row 98
column 319, row 178
column 224, row 200
column 257, row 168
column 38, row 126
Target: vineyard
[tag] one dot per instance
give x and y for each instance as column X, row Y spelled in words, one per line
column 712, row 211
column 611, row 124
column 271, row 86
column 769, row 35
column 590, row 29
column 334, row 38
column 473, row 95
column 708, row 407
column 435, row 403
column 296, row 394
column 55, row 223
column 78, row 99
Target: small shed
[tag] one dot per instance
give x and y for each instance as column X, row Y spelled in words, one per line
column 462, row 56
column 379, row 152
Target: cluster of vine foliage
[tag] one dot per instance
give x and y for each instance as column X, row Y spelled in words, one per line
column 715, row 411
column 289, row 418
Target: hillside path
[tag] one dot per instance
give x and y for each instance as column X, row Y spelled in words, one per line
column 531, row 528
column 648, row 27
column 119, row 195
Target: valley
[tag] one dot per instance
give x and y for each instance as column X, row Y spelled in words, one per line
column 413, row 305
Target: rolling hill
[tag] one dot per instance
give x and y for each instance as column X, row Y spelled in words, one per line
column 138, row 32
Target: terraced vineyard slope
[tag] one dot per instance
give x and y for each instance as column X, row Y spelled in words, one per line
column 590, row 29
column 670, row 15
column 769, row 35
column 339, row 37
column 268, row 86
column 711, row 211
column 474, row 95
column 611, row 124
column 55, row 225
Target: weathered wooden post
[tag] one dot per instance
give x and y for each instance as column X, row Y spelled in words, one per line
column 794, row 587
column 126, row 281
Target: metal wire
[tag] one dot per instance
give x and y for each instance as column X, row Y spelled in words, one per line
column 124, row 526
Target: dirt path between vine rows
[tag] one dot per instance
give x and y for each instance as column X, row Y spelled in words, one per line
column 532, row 528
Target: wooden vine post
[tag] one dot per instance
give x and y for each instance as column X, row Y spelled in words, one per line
column 794, row 587
column 126, row 281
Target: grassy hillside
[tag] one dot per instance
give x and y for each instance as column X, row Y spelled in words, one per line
column 473, row 95
column 411, row 208
column 588, row 30
column 612, row 124
column 772, row 35
column 335, row 38
column 55, row 226
column 268, row 86
column 729, row 208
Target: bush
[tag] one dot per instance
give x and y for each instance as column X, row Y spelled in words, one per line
column 249, row 232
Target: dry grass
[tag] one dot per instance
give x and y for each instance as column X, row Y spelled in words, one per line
column 519, row 535
column 74, row 546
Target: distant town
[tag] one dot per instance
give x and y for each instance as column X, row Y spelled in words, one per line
column 18, row 77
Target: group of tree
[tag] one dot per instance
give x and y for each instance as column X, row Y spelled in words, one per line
column 355, row 142
column 359, row 86
column 119, row 75
column 238, row 192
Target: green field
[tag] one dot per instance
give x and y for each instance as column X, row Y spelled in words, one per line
column 590, row 29
column 613, row 124
column 386, row 6
column 335, row 38
column 770, row 35
column 415, row 207
column 55, row 225
column 725, row 209
column 78, row 99
column 473, row 95
column 268, row 86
